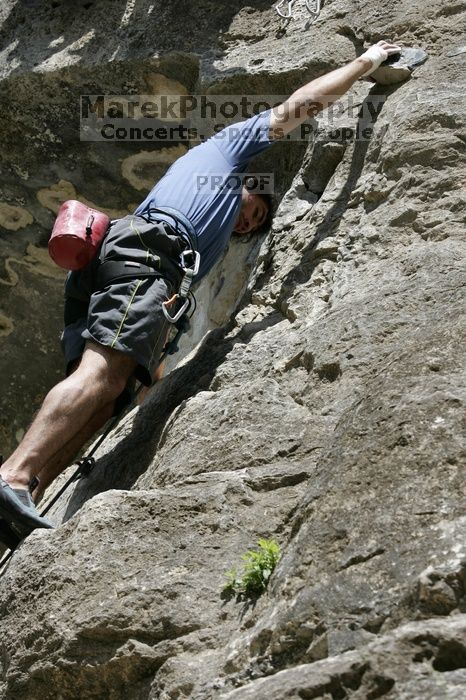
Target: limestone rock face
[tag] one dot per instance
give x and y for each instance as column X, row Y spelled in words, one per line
column 327, row 412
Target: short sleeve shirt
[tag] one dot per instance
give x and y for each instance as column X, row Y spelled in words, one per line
column 202, row 184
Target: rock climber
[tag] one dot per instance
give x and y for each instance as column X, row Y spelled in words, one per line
column 114, row 325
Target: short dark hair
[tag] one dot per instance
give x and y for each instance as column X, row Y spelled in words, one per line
column 251, row 182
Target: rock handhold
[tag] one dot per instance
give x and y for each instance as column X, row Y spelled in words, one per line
column 399, row 67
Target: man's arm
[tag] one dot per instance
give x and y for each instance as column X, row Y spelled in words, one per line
column 322, row 92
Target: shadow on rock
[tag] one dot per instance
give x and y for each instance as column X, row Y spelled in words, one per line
column 367, row 118
column 132, row 455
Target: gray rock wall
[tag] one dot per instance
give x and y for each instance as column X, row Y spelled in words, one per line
column 326, row 413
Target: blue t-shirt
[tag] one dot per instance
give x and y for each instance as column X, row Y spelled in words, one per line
column 201, row 184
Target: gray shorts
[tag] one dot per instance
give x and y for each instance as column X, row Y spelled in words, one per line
column 126, row 314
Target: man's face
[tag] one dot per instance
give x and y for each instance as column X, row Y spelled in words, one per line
column 252, row 214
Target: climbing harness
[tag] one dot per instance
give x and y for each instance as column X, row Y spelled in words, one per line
column 288, row 14
column 190, row 260
column 111, row 270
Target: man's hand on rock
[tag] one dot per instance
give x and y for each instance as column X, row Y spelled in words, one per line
column 377, row 54
column 323, row 91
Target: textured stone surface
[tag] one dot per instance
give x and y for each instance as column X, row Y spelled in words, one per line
column 328, row 413
column 421, row 659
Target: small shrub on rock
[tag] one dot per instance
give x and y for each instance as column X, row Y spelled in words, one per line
column 257, row 568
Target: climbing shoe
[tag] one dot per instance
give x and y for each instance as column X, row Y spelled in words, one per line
column 19, row 511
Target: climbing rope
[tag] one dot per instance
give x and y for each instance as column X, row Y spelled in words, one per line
column 288, row 13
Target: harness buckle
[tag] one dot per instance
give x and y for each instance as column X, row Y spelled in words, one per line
column 196, row 261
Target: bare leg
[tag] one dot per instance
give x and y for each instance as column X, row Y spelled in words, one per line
column 64, row 457
column 67, row 409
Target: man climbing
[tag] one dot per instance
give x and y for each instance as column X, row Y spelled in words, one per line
column 115, row 323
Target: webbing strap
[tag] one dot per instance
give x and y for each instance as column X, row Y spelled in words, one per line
column 178, row 217
column 112, row 271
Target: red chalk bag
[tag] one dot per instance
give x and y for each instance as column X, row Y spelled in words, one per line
column 77, row 234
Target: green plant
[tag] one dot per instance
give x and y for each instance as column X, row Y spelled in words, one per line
column 256, row 571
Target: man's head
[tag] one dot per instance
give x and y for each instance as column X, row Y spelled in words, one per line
column 256, row 213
